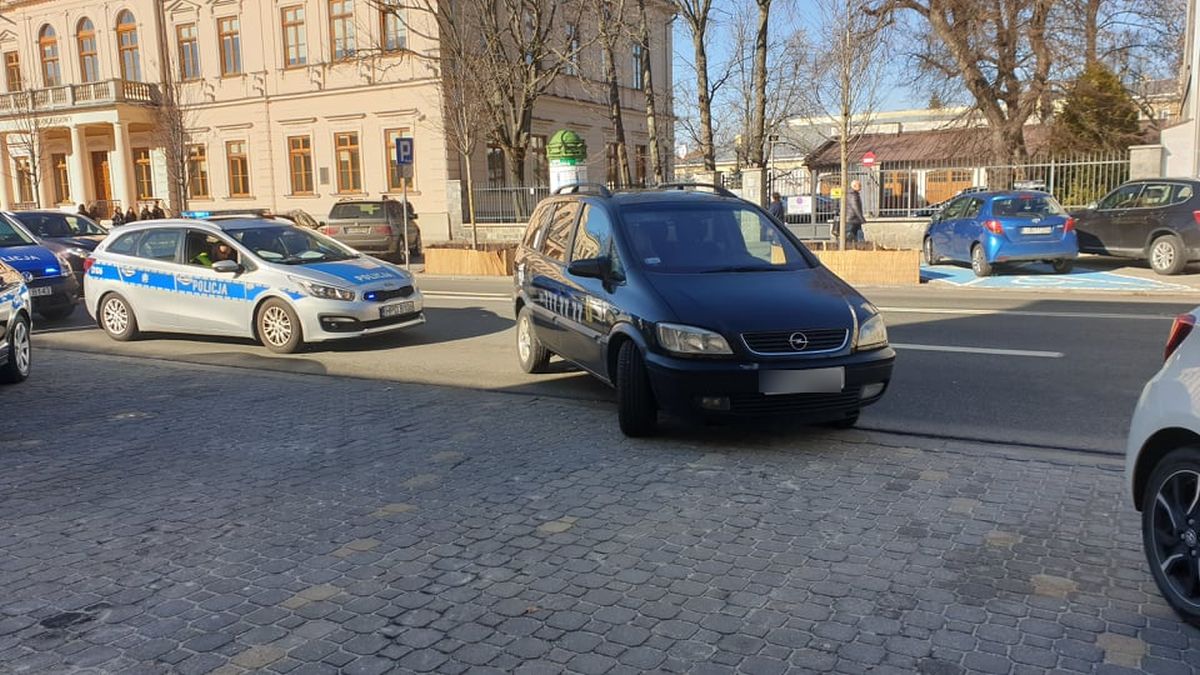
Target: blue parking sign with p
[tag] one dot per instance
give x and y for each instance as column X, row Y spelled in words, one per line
column 404, row 151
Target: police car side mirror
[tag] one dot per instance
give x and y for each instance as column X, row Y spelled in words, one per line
column 590, row 268
column 226, row 267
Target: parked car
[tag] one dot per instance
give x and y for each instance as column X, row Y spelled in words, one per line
column 988, row 228
column 373, row 226
column 1154, row 219
column 282, row 285
column 70, row 235
column 300, row 218
column 16, row 326
column 932, row 209
column 694, row 303
column 1162, row 469
column 49, row 277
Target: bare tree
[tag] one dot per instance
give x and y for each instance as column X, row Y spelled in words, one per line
column 657, row 166
column 758, row 123
column 174, row 116
column 465, row 109
column 27, row 140
column 697, row 14
column 612, row 25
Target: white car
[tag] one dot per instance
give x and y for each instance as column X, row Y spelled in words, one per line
column 249, row 277
column 1162, row 467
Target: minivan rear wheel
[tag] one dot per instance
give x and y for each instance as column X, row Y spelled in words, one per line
column 1171, row 530
column 637, row 410
column 1167, row 256
column 532, row 354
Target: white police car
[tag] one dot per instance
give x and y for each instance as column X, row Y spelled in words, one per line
column 245, row 277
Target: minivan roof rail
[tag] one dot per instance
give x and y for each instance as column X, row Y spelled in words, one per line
column 577, row 188
column 721, row 190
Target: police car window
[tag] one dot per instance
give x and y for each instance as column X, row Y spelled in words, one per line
column 290, row 245
column 203, row 249
column 159, row 245
column 12, row 236
column 593, row 235
column 124, row 244
column 559, row 231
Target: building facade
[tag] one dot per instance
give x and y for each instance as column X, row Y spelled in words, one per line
column 285, row 104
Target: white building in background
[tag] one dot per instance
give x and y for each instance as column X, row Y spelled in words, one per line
column 1181, row 143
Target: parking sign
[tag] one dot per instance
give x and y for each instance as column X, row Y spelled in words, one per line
column 404, row 151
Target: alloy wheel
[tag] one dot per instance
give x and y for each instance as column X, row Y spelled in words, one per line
column 524, row 339
column 276, row 326
column 116, row 317
column 20, row 347
column 1175, row 534
column 1163, row 255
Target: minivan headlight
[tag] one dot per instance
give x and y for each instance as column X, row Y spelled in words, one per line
column 323, row 291
column 872, row 334
column 691, row 340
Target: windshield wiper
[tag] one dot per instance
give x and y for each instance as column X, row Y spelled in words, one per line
column 746, row 268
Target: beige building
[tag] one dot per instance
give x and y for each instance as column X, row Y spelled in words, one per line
column 289, row 104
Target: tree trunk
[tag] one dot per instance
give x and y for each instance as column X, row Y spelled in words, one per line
column 466, row 156
column 758, row 122
column 705, row 101
column 656, row 166
column 614, row 113
column 845, row 75
column 1091, row 31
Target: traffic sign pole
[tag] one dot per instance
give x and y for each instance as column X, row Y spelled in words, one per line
column 404, row 160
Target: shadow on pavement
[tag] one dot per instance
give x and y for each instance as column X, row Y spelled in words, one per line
column 443, row 325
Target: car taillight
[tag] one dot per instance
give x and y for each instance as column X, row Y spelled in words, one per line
column 1196, row 217
column 1184, row 323
column 1069, row 226
column 385, row 230
column 87, row 263
column 993, row 226
column 328, row 230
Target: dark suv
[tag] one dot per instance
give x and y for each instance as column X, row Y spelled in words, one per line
column 690, row 300
column 1156, row 219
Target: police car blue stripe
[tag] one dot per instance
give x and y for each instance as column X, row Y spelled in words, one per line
column 182, row 284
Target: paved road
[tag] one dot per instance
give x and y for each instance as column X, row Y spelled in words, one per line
column 1068, row 372
column 195, row 519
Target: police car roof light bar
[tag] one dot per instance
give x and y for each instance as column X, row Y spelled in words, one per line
column 683, row 186
column 576, row 188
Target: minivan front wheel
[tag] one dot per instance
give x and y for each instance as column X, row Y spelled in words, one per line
column 637, row 411
column 532, row 354
column 1167, row 256
column 1171, row 530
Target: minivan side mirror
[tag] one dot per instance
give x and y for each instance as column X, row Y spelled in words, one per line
column 226, row 267
column 591, row 268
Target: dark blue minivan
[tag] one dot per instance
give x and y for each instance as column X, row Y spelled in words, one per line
column 51, row 283
column 696, row 303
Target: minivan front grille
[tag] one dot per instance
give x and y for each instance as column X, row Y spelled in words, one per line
column 814, row 341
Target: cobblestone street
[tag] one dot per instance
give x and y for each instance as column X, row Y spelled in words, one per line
column 163, row 517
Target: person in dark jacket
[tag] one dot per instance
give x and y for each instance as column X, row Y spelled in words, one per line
column 775, row 208
column 130, row 215
column 118, row 217
column 145, row 214
column 854, row 212
column 83, row 211
column 157, row 212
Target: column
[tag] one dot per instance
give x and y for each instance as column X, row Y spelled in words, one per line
column 78, row 167
column 6, row 182
column 122, row 168
column 45, row 164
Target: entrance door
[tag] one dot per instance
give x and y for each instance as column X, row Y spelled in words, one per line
column 102, row 183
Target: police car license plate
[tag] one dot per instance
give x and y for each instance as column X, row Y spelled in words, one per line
column 1036, row 230
column 813, row 381
column 397, row 309
column 39, row 291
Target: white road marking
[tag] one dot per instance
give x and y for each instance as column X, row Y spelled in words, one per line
column 1017, row 312
column 979, row 350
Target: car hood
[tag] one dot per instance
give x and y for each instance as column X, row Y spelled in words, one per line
column 761, row 301
column 32, row 258
column 364, row 271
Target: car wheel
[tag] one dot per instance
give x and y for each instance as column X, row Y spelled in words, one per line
column 927, row 249
column 57, row 313
column 414, row 248
column 637, row 411
column 531, row 352
column 1062, row 266
column 1171, row 530
column 979, row 262
column 20, row 355
column 279, row 327
column 117, row 319
column 1167, row 255
column 847, row 422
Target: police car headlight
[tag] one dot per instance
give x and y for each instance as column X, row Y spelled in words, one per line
column 872, row 334
column 691, row 340
column 324, row 292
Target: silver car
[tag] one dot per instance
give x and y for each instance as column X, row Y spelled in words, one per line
column 280, row 284
column 373, row 226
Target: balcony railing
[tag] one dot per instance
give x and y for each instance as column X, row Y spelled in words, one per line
column 92, row 94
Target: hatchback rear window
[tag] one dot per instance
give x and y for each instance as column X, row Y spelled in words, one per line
column 358, row 211
column 708, row 237
column 1026, row 206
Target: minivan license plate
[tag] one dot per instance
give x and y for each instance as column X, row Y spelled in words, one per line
column 39, row 291
column 813, row 381
column 397, row 309
column 1036, row 230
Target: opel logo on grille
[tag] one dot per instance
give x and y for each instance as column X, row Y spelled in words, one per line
column 798, row 341
column 28, row 276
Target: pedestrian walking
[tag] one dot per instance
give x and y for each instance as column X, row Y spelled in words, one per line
column 130, row 215
column 157, row 212
column 854, row 212
column 775, row 208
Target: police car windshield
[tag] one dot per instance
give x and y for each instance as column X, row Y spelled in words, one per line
column 11, row 236
column 46, row 224
column 708, row 238
column 290, row 245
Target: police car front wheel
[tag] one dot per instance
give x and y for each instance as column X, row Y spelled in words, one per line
column 279, row 327
column 117, row 319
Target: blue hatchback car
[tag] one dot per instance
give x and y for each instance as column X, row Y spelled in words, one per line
column 52, row 285
column 986, row 228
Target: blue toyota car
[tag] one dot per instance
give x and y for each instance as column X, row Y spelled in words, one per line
column 51, row 282
column 988, row 228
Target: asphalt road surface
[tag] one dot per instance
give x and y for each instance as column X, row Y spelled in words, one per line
column 1003, row 366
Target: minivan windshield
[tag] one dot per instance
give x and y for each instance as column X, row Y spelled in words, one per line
column 1026, row 206
column 709, row 237
column 290, row 245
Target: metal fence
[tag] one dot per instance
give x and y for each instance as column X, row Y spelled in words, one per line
column 505, row 205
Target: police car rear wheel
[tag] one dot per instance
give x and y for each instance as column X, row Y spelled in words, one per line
column 279, row 328
column 16, row 369
column 533, row 355
column 117, row 319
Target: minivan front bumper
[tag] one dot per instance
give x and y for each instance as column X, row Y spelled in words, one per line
column 711, row 388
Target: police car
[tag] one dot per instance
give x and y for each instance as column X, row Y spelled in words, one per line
column 247, row 277
column 48, row 276
column 15, row 326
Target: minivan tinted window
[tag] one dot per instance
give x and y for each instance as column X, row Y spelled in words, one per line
column 594, row 234
column 559, row 232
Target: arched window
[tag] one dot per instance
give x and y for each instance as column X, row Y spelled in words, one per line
column 48, row 48
column 127, row 45
column 85, row 38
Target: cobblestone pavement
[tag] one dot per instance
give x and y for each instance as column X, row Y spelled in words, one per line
column 161, row 517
